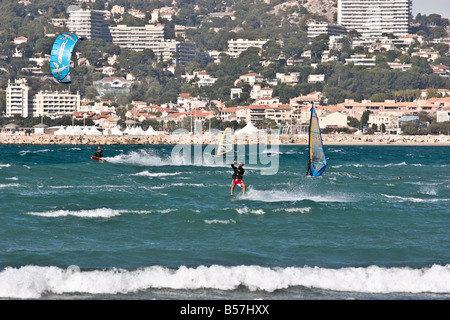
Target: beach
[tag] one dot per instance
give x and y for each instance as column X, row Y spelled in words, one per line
column 165, row 139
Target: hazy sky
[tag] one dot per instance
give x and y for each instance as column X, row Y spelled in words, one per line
column 427, row 7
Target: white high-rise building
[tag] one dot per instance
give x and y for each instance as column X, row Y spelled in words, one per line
column 55, row 104
column 371, row 18
column 138, row 38
column 17, row 98
column 89, row 24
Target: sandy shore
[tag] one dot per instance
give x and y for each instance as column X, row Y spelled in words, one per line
column 162, row 139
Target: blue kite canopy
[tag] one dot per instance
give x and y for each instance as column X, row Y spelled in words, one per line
column 61, row 54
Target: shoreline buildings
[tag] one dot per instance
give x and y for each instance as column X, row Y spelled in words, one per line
column 372, row 18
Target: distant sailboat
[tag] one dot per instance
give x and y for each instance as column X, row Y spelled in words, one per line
column 317, row 160
column 225, row 143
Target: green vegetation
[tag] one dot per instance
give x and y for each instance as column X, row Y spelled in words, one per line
column 254, row 19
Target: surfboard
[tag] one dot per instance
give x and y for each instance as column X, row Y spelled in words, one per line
column 98, row 159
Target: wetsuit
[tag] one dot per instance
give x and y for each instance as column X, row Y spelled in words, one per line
column 238, row 174
column 99, row 154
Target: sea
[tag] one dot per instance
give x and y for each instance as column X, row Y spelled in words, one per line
column 158, row 222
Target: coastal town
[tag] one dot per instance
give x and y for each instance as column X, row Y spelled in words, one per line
column 111, row 106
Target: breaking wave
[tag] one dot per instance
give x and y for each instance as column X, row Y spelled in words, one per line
column 35, row 281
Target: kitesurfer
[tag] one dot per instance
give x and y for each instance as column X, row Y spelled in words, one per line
column 237, row 177
column 99, row 152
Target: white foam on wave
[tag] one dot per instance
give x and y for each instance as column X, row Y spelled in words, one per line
column 9, row 185
column 6, row 165
column 412, row 199
column 25, row 152
column 93, row 213
column 96, row 213
column 246, row 210
column 142, row 158
column 216, row 221
column 34, row 281
column 283, row 195
column 155, row 174
column 301, row 210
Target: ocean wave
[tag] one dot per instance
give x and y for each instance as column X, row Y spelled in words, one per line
column 215, row 221
column 34, row 281
column 9, row 185
column 151, row 158
column 282, row 195
column 156, row 174
column 412, row 199
column 301, row 210
column 246, row 210
column 25, row 152
column 95, row 213
column 6, row 165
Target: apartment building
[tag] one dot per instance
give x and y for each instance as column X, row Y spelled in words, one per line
column 138, row 38
column 55, row 104
column 317, row 28
column 371, row 18
column 236, row 47
column 89, row 24
column 17, row 98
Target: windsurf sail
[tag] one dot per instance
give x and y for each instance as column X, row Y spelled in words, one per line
column 225, row 143
column 60, row 56
column 317, row 160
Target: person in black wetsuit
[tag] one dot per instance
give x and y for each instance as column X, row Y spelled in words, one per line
column 99, row 152
column 237, row 177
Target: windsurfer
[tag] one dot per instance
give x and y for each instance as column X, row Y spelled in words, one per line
column 237, row 177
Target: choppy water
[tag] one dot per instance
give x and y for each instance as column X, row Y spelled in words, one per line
column 147, row 225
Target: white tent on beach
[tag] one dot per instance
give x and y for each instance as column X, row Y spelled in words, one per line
column 150, row 131
column 61, row 131
column 92, row 131
column 248, row 129
column 115, row 131
column 136, row 131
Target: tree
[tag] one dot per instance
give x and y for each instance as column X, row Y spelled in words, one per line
column 365, row 118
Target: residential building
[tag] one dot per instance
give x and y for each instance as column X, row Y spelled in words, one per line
column 202, row 78
column 259, row 92
column 55, row 104
column 89, row 24
column 235, row 93
column 250, row 78
column 372, row 18
column 17, row 102
column 443, row 115
column 138, row 38
column 236, row 47
column 313, row 78
column 361, row 60
column 317, row 28
column 333, row 119
column 255, row 112
column 115, row 86
column 399, row 66
column 185, row 52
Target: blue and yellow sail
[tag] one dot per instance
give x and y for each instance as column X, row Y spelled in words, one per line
column 225, row 143
column 317, row 160
column 60, row 56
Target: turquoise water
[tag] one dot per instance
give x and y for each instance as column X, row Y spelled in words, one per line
column 151, row 225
